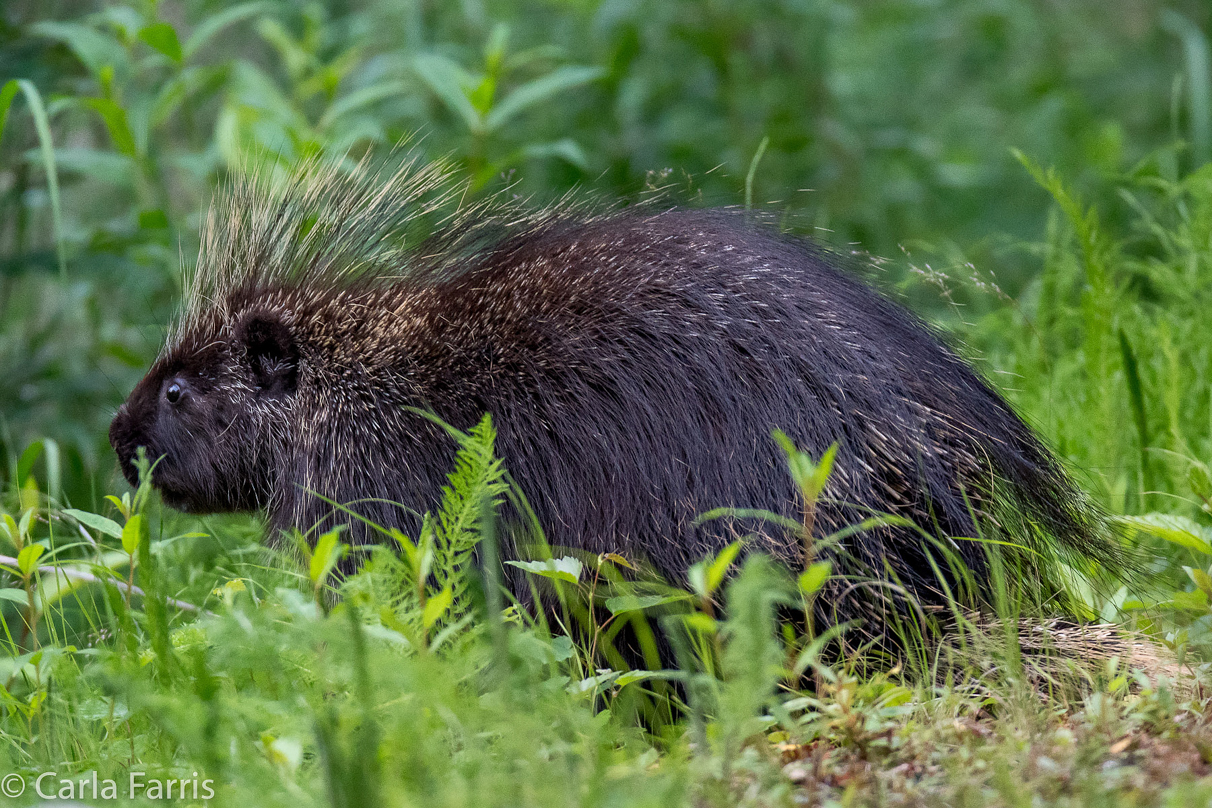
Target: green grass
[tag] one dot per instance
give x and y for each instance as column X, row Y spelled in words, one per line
column 1036, row 174
column 408, row 682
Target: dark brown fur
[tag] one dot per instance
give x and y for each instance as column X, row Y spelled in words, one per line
column 634, row 364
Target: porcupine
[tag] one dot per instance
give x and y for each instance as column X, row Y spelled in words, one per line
column 634, row 362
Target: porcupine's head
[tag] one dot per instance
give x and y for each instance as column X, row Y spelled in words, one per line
column 211, row 412
column 214, row 413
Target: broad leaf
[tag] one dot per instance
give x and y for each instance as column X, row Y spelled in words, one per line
column 163, row 37
column 436, row 607
column 539, row 90
column 1175, row 529
column 637, row 603
column 116, row 123
column 447, row 81
column 132, row 533
column 559, row 569
column 813, row 578
column 214, row 23
column 107, row 526
column 27, row 559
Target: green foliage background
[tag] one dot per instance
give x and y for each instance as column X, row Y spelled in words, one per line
column 888, row 127
column 889, row 124
column 1031, row 176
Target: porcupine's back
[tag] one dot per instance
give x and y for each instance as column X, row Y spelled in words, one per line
column 635, row 365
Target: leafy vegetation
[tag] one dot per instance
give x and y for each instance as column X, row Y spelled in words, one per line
column 1037, row 176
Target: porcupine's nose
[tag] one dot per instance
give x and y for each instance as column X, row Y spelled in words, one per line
column 125, row 438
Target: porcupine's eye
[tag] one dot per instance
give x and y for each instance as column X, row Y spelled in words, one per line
column 173, row 393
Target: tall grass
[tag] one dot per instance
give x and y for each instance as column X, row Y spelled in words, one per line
column 236, row 677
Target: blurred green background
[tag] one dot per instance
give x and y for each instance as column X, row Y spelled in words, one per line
column 885, row 126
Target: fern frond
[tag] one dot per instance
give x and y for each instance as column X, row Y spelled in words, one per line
column 478, row 476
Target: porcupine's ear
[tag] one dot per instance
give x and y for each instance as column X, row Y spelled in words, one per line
column 272, row 354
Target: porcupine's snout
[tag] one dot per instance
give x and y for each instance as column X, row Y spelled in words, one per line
column 163, row 415
column 134, row 426
column 124, row 437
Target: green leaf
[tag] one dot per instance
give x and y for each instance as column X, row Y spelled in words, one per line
column 426, row 557
column 753, row 166
column 104, row 164
column 153, row 219
column 26, row 519
column 473, row 490
column 436, row 606
column 406, row 544
column 12, row 529
column 703, row 623
column 482, row 94
column 824, row 468
column 42, row 125
column 1200, row 482
column 566, row 149
column 796, row 459
column 25, row 464
column 1196, row 601
column 93, row 48
column 615, row 558
column 813, row 578
column 214, row 23
column 327, row 553
column 359, row 99
column 562, row 648
column 27, row 559
column 132, row 533
column 163, row 37
column 107, row 526
column 1136, row 395
column 630, row 677
column 697, row 577
column 718, row 568
column 115, row 121
column 810, row 476
column 896, row 697
column 447, row 80
column 494, row 51
column 123, row 506
column 293, row 53
column 1175, row 529
column 15, row 595
column 593, row 683
column 1194, row 39
column 7, row 93
column 27, row 496
column 559, row 569
column 1201, row 579
column 54, row 475
column 541, row 89
column 637, row 603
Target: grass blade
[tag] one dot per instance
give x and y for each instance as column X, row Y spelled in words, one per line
column 1199, row 82
column 753, row 166
column 1136, row 399
column 42, row 125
